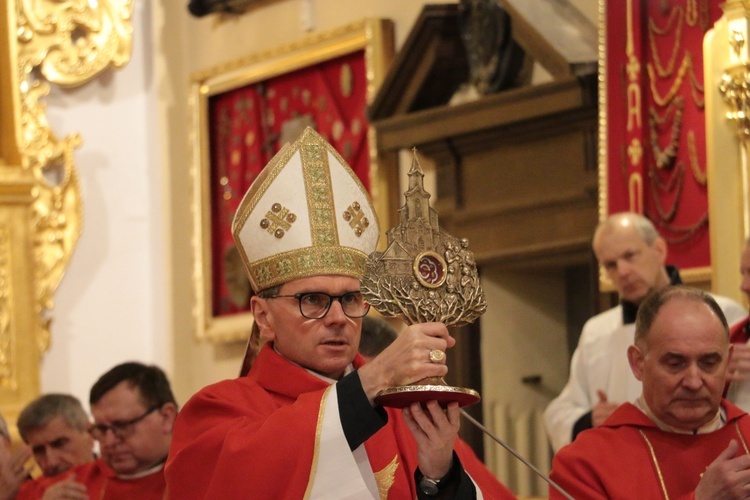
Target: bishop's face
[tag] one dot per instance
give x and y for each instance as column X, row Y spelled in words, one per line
column 682, row 363
column 326, row 345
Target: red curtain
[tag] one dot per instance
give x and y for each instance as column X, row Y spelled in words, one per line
column 245, row 129
column 655, row 118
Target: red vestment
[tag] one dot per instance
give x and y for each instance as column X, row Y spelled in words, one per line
column 739, row 334
column 615, row 460
column 102, row 483
column 272, row 435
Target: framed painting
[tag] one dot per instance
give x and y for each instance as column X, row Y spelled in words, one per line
column 244, row 112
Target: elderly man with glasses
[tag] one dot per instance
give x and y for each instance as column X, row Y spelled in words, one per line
column 134, row 411
column 304, row 422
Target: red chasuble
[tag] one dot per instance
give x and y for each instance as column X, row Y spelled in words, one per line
column 628, row 456
column 101, row 483
column 272, row 435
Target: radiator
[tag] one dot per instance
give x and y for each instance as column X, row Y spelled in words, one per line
column 523, row 430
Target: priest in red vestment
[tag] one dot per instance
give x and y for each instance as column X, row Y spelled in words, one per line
column 680, row 439
column 134, row 412
column 303, row 422
column 738, row 390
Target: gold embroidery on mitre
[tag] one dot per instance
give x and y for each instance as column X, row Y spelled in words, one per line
column 355, row 216
column 317, row 176
column 278, row 220
column 386, row 477
column 298, row 263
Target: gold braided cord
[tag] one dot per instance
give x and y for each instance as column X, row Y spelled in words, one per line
column 674, row 178
column 668, row 215
column 665, row 100
column 665, row 158
column 742, row 439
column 656, row 464
column 654, row 30
column 662, row 119
column 698, row 99
column 691, row 17
column 685, row 232
column 698, row 173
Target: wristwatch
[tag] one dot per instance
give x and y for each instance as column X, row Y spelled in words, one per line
column 429, row 487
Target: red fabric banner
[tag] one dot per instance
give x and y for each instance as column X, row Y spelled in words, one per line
column 655, row 119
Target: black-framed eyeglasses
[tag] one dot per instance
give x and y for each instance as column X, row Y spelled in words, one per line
column 122, row 429
column 315, row 305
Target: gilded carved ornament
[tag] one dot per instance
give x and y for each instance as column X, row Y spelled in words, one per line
column 734, row 85
column 67, row 42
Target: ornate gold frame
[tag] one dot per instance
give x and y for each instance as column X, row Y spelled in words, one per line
column 68, row 43
column 374, row 36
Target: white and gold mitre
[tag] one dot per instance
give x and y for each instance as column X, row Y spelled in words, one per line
column 306, row 214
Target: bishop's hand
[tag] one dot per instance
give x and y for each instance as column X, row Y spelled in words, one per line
column 435, row 431
column 407, row 360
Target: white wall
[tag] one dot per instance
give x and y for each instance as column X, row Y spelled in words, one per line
column 112, row 303
column 523, row 334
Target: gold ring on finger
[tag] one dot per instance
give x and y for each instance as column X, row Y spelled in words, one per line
column 436, row 356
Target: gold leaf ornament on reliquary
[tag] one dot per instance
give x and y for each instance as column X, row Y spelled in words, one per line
column 425, row 274
column 67, row 43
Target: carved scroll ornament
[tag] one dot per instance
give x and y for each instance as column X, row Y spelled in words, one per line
column 67, row 42
column 735, row 91
column 734, row 85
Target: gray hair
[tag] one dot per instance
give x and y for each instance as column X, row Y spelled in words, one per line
column 651, row 306
column 641, row 224
column 43, row 409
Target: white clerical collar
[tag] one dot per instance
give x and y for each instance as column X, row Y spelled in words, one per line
column 147, row 472
column 714, row 424
column 347, row 370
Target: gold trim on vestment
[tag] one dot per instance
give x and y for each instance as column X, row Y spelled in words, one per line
column 656, row 462
column 316, row 450
column 386, row 477
column 742, row 439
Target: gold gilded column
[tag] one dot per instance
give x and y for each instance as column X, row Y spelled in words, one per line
column 64, row 42
column 727, row 84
